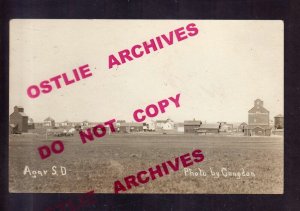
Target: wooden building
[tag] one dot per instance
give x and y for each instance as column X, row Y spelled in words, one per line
column 190, row 126
column 151, row 125
column 65, row 123
column 118, row 124
column 18, row 121
column 279, row 121
column 258, row 120
column 38, row 124
column 209, row 128
column 128, row 127
column 49, row 122
column 242, row 127
column 225, row 127
column 167, row 124
column 253, row 130
column 179, row 126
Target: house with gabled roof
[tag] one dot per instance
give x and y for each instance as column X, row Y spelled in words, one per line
column 279, row 121
column 49, row 122
column 242, row 126
column 191, row 126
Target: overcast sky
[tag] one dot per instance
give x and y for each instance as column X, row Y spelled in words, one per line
column 219, row 72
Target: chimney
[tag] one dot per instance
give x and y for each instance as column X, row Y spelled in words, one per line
column 18, row 109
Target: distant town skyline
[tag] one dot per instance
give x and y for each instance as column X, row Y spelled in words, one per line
column 219, row 73
column 149, row 120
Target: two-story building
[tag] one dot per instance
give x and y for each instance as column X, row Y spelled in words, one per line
column 258, row 120
column 18, row 121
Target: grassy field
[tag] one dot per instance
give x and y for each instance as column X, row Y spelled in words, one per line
column 96, row 165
